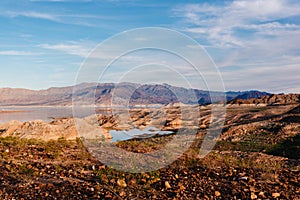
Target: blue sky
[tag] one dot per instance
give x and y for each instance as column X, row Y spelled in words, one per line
column 255, row 44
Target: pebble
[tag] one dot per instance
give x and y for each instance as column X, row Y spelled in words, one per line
column 167, row 185
column 121, row 183
column 253, row 196
column 261, row 194
column 244, row 178
column 217, row 193
column 122, row 193
column 275, row 195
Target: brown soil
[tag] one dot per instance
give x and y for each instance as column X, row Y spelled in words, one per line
column 255, row 158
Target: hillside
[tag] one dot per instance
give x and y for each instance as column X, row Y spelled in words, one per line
column 102, row 93
column 274, row 99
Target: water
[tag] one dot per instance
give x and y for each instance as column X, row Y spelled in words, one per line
column 137, row 133
column 47, row 114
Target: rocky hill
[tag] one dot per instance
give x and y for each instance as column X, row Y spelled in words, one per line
column 252, row 95
column 274, row 99
column 103, row 93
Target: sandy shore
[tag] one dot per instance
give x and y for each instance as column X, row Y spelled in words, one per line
column 11, row 111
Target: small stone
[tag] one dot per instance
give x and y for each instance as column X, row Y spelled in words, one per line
column 121, row 183
column 122, row 193
column 244, row 178
column 217, row 193
column 275, row 195
column 7, row 167
column 167, row 185
column 261, row 194
column 252, row 189
column 253, row 196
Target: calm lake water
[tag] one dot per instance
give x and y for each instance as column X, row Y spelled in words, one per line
column 137, row 133
column 47, row 114
column 39, row 113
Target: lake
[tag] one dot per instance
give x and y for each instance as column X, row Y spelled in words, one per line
column 40, row 113
column 47, row 114
column 137, row 133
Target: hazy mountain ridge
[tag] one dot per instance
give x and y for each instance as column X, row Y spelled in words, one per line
column 123, row 92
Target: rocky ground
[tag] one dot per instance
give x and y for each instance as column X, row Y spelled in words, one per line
column 257, row 157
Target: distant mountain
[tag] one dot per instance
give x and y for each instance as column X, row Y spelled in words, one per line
column 104, row 93
column 253, row 94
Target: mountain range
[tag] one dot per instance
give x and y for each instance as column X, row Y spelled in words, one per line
column 103, row 93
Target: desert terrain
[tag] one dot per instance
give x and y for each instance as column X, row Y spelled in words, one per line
column 255, row 157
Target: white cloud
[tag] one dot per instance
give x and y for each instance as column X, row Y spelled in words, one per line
column 17, row 53
column 220, row 24
column 71, row 48
column 275, row 79
column 33, row 15
column 255, row 43
column 65, row 18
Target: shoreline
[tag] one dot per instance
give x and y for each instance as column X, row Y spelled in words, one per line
column 11, row 111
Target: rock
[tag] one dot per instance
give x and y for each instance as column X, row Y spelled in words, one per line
column 269, row 99
column 8, row 167
column 121, row 183
column 122, row 193
column 167, row 185
column 253, row 196
column 90, row 129
column 275, row 195
column 203, row 126
column 40, row 130
column 244, row 178
column 217, row 193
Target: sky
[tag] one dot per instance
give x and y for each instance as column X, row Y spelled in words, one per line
column 255, row 44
